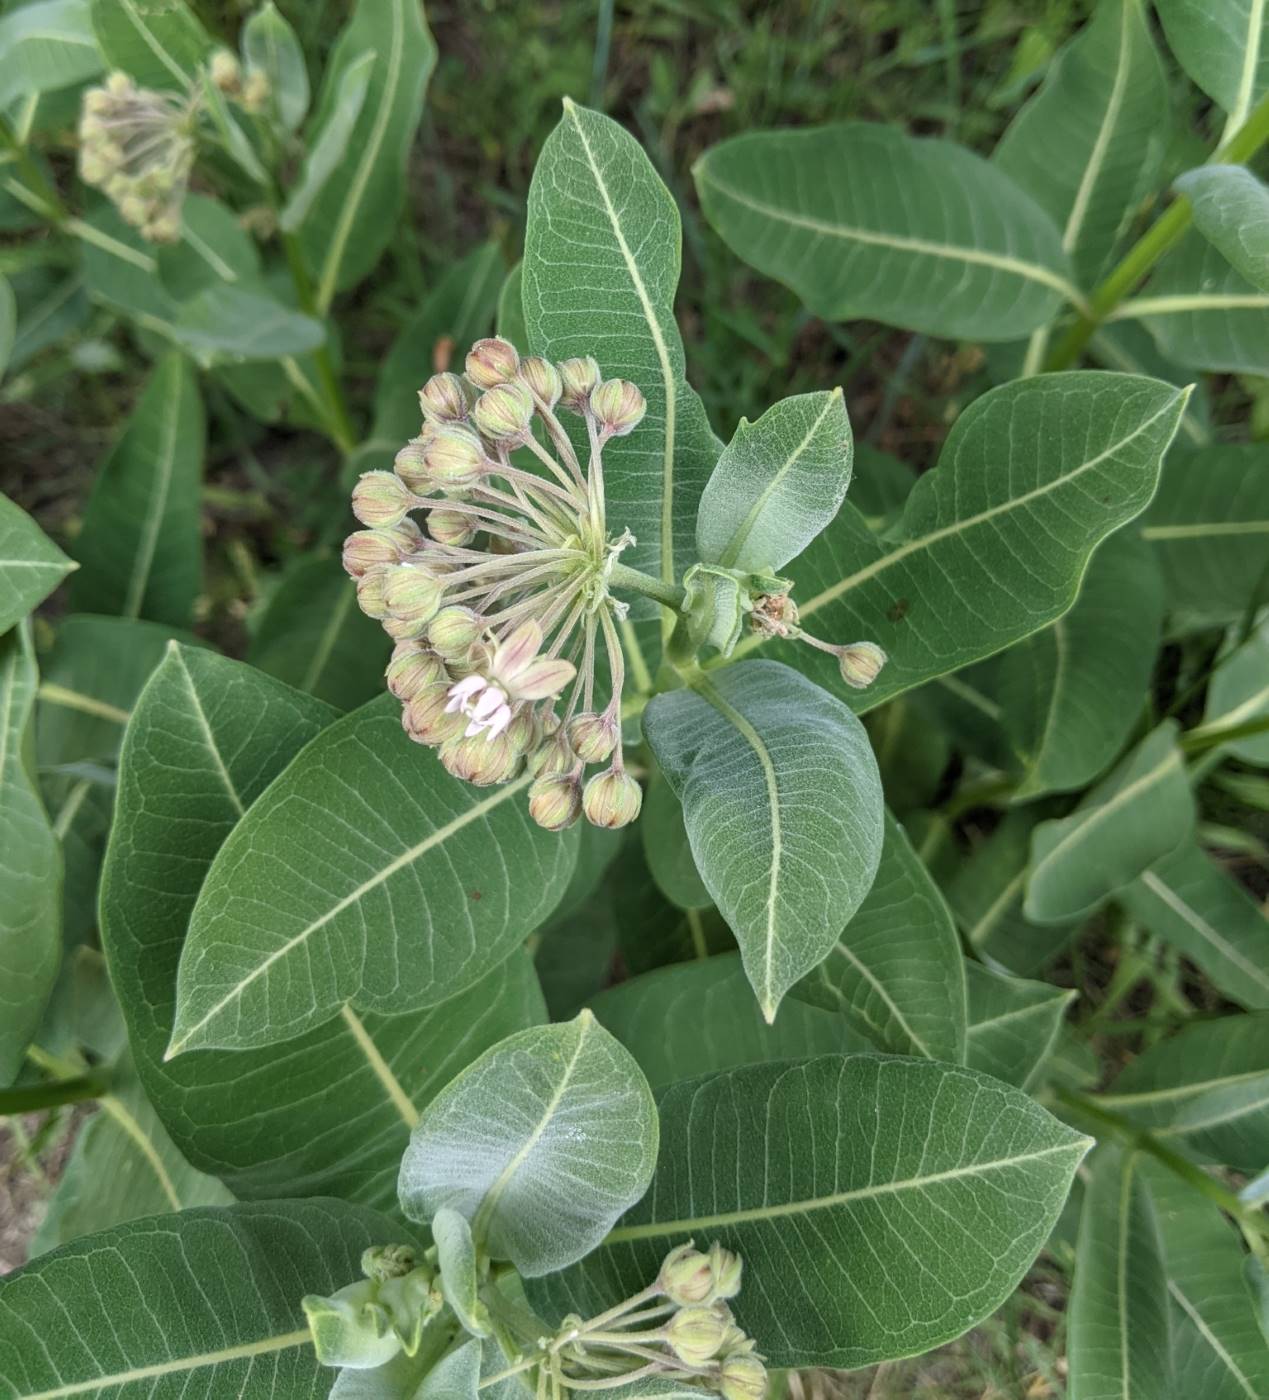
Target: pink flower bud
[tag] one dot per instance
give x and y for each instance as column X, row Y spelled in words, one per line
column 618, row 406
column 541, row 379
column 492, row 361
column 593, row 737
column 578, row 377
column 612, row 799
column 380, row 499
column 443, row 399
column 555, row 801
column 504, row 412
column 860, row 664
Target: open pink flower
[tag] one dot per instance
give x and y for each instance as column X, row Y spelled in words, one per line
column 516, row 675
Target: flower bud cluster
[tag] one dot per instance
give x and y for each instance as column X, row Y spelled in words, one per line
column 775, row 614
column 367, row 1323
column 499, row 604
column 251, row 89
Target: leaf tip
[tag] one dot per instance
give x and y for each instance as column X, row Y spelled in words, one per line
column 769, row 1009
column 174, row 1047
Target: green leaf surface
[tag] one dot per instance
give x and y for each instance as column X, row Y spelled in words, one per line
column 46, row 46
column 828, row 211
column 1118, row 1336
column 881, row 1205
column 783, row 808
column 541, row 1144
column 329, row 1112
column 1013, row 1024
column 456, row 1260
column 205, row 1302
column 510, row 321
column 668, row 849
column 699, row 1017
column 1205, row 1088
column 352, row 218
column 1238, row 694
column 1071, row 694
column 31, row 565
column 896, row 973
column 159, row 43
column 327, row 146
column 601, row 266
column 270, row 45
column 1136, row 815
column 1187, row 900
column 30, row 865
column 1231, row 210
column 778, row 483
column 1224, row 46
column 50, row 304
column 993, row 542
column 141, row 549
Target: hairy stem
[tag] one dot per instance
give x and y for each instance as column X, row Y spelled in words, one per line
column 669, row 595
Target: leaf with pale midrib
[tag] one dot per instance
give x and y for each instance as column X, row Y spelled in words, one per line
column 1238, row 694
column 46, row 47
column 1231, row 210
column 881, row 1205
column 1224, row 46
column 1013, row 1024
column 31, row 565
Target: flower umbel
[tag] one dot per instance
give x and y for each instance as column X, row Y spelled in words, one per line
column 502, row 609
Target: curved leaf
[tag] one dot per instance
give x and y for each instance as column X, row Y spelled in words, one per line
column 1238, row 694
column 1231, row 210
column 1224, row 46
column 46, row 46
column 1013, row 1024
column 31, row 565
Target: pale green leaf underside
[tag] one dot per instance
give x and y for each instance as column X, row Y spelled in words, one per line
column 1238, row 694
column 31, row 565
column 45, row 47
column 1231, row 210
column 1224, row 46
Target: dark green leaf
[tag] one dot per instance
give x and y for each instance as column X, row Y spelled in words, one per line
column 1013, row 1025
column 31, row 565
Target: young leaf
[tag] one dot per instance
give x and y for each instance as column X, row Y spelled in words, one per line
column 1207, row 1086
column 541, row 1144
column 1224, row 46
column 827, row 211
column 698, row 1017
column 1127, row 822
column 30, row 865
column 46, row 46
column 601, row 265
column 778, row 483
column 783, row 809
column 838, row 1180
column 331, row 1111
column 896, row 973
column 366, row 874
column 1013, row 1025
column 455, row 1377
column 992, row 543
column 1186, row 900
column 270, row 45
column 141, row 549
column 1238, row 694
column 351, row 218
column 31, row 565
column 1118, row 1341
column 160, row 45
column 1231, row 210
column 456, row 1260
column 205, row 1302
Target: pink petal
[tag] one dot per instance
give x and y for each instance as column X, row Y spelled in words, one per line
column 487, row 702
column 542, row 678
column 501, row 719
column 518, row 651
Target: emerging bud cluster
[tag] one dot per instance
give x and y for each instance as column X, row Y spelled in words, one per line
column 367, row 1323
column 500, row 604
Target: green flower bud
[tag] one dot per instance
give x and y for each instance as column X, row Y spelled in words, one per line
column 696, row 1334
column 451, row 527
column 578, row 377
column 454, row 631
column 618, row 405
column 726, row 1268
column 443, row 399
column 743, row 1377
column 384, row 1261
column 555, row 756
column 410, row 464
column 370, row 592
column 424, row 718
column 410, row 1300
column 413, row 668
column 492, row 361
column 541, row 379
column 225, row 71
column 860, row 664
column 350, row 1328
column 380, row 498
column 524, row 731
column 256, row 91
column 686, row 1276
column 503, row 413
column 612, row 798
column 412, row 594
column 480, row 760
column 368, row 549
column 555, row 801
column 454, row 456
column 118, row 84
column 593, row 736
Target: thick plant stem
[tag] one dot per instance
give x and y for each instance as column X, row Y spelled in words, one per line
column 339, row 424
column 1141, row 258
column 30, row 1098
column 669, row 595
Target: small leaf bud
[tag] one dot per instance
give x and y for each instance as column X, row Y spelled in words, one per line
column 696, row 1334
column 425, row 719
column 454, row 456
column 555, row 801
column 541, row 379
column 503, row 413
column 686, row 1276
column 411, row 594
column 370, row 592
column 593, row 736
column 410, row 464
column 413, row 668
column 384, row 1261
column 443, row 399
column 350, row 1328
column 618, row 405
column 743, row 1377
column 225, row 71
column 860, row 664
column 451, row 527
column 491, row 361
column 380, row 498
column 454, row 631
column 578, row 377
column 480, row 759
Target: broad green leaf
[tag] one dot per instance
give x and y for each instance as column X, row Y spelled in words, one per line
column 456, row 1260
column 1224, row 46
column 351, row 220
column 896, row 972
column 1202, row 312
column 31, row 565
column 1013, row 1024
column 1238, row 694
column 243, row 323
column 541, row 1144
column 668, row 849
column 575, row 947
column 994, row 541
column 205, row 1302
column 330, row 1112
column 79, row 810
column 141, row 548
column 456, row 1376
column 270, row 45
column 1231, row 210
column 699, row 1017
column 160, row 43
column 913, row 751
column 1207, row 1087
column 1070, row 695
column 1209, row 526
column 1088, row 145
column 783, row 809
column 1129, row 348
column 51, row 304
column 879, row 485
column 510, row 321
column 651, row 931
column 1218, row 1350
column 312, row 635
column 881, row 1205
column 123, row 1166
column 46, row 46
column 601, row 266
column 1187, row 901
column 328, row 146
column 829, row 212
column 30, row 865
column 778, row 483
column 1136, row 815
column 365, row 875
column 1118, row 1339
